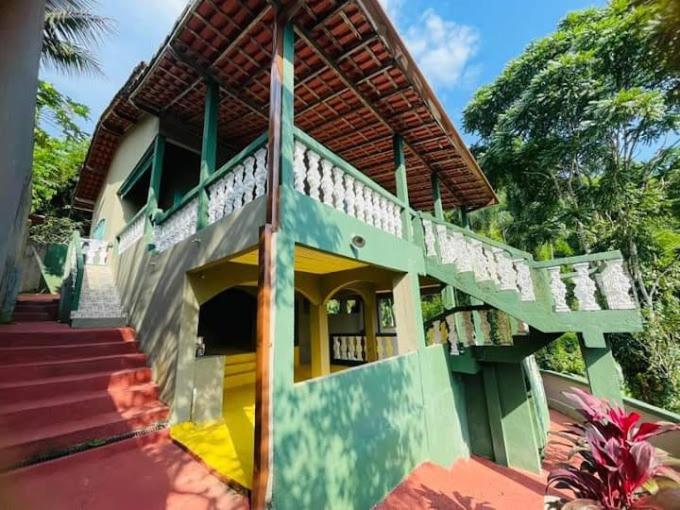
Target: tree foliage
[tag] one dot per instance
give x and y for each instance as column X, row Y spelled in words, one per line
column 70, row 30
column 580, row 133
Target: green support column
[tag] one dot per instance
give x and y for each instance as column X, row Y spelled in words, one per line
column 402, row 184
column 511, row 420
column 208, row 147
column 601, row 368
column 437, row 198
column 154, row 186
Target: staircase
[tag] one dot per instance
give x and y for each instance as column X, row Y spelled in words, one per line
column 590, row 293
column 36, row 307
column 99, row 304
column 64, row 390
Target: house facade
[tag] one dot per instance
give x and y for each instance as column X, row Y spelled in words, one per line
column 267, row 199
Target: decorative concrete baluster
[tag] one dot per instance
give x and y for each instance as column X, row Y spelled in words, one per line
column 437, row 333
column 558, row 290
column 339, row 189
column 485, row 326
column 369, row 206
column 239, row 189
column 522, row 328
column 399, row 227
column 327, row 182
column 380, row 347
column 468, row 328
column 229, row 194
column 313, row 175
column 359, row 348
column 460, row 254
column 616, row 286
column 445, row 253
column 349, row 342
column 506, row 271
column 360, row 203
column 260, row 172
column 478, row 260
column 336, row 347
column 299, row 168
column 452, row 337
column 212, row 201
column 131, row 235
column 491, row 264
column 248, row 180
column 525, row 283
column 350, row 197
column 430, row 248
column 585, row 288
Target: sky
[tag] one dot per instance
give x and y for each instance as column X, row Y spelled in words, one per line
column 460, row 45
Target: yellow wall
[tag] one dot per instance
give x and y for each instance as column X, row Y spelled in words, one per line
column 132, row 147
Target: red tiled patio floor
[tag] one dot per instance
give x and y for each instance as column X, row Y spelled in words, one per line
column 476, row 484
column 153, row 474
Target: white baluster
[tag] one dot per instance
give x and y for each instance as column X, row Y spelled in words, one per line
column 260, row 172
column 239, row 188
column 313, row 175
column 299, row 168
column 485, row 326
column 359, row 349
column 462, row 256
column 380, row 347
column 338, row 189
column 430, row 247
column 437, row 337
column 360, row 203
column 229, row 194
column 248, row 179
column 616, row 286
column 327, row 182
column 479, row 262
column 452, row 336
column 398, row 227
column 350, row 198
column 558, row 290
column 585, row 288
column 506, row 271
column 525, row 283
column 369, row 206
column 491, row 265
column 385, row 215
column 336, row 348
column 469, row 328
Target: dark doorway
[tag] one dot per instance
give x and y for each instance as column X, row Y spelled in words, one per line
column 227, row 322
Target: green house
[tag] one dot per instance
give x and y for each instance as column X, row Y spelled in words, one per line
column 268, row 195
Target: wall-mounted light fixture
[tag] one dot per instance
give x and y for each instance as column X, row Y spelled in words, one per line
column 358, row 242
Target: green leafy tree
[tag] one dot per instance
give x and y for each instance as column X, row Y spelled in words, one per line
column 581, row 135
column 71, row 29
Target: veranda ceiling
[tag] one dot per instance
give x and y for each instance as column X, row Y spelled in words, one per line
column 355, row 86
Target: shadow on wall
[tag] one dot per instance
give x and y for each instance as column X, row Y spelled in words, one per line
column 344, row 441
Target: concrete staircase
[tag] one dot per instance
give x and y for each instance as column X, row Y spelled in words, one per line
column 64, row 390
column 36, row 307
column 99, row 304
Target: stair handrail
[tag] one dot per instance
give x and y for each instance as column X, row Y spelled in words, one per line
column 71, row 287
column 80, row 270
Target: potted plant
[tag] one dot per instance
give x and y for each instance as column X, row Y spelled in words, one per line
column 613, row 466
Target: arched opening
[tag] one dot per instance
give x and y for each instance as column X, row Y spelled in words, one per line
column 227, row 322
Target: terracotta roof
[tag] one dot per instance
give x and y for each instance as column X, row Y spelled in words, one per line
column 355, row 86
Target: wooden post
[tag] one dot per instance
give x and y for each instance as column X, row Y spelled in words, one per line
column 402, row 184
column 154, row 186
column 273, row 283
column 208, row 147
column 437, row 198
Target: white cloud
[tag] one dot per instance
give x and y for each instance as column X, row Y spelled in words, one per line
column 392, row 7
column 442, row 48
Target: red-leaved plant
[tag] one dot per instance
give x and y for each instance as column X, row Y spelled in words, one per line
column 616, row 460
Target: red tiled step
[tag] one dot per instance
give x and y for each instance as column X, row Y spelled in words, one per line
column 34, row 316
column 63, row 407
column 51, row 333
column 33, row 354
column 37, row 298
column 31, row 441
column 40, row 370
column 38, row 389
column 36, row 307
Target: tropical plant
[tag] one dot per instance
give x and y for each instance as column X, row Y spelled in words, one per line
column 617, row 462
column 70, row 30
column 580, row 135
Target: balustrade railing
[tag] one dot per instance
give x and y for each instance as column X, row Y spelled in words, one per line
column 133, row 231
column 327, row 178
column 589, row 283
column 178, row 224
column 353, row 348
column 488, row 260
column 95, row 251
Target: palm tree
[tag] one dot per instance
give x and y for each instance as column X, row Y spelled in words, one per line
column 71, row 29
